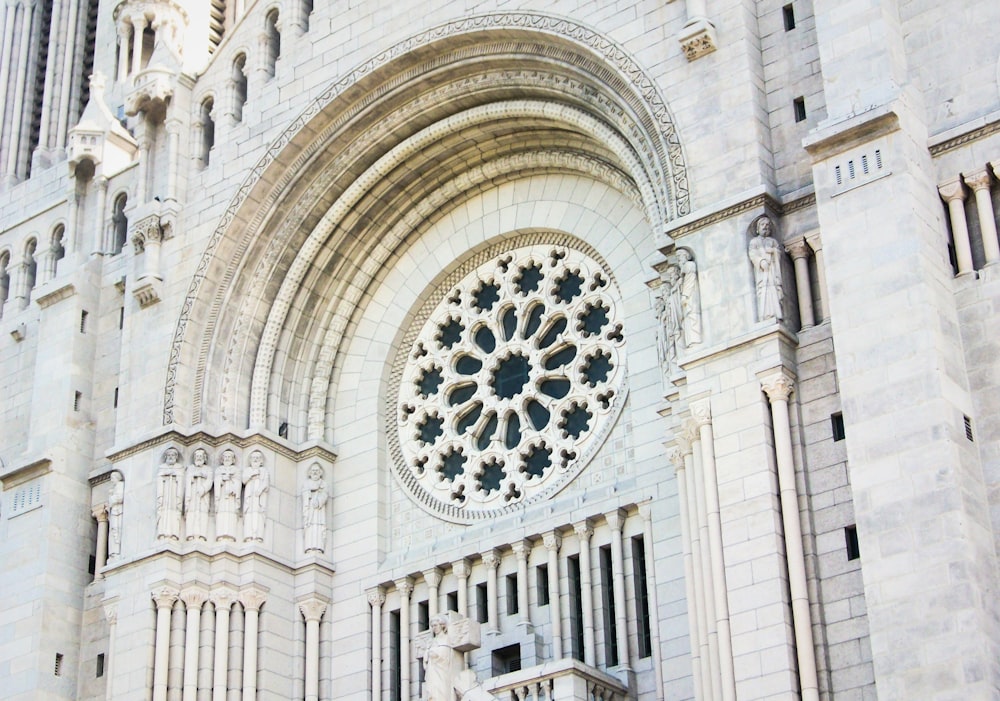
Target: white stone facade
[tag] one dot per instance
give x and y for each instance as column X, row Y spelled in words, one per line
column 281, row 381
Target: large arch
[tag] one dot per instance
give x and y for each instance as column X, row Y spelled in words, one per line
column 391, row 146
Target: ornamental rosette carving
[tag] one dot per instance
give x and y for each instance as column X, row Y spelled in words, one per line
column 511, row 383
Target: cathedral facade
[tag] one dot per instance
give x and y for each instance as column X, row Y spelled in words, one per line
column 560, row 351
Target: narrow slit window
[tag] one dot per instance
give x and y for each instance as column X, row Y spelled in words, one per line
column 77, row 399
column 837, row 426
column 542, row 584
column 512, row 607
column 608, row 608
column 116, row 398
column 788, row 15
column 100, row 665
column 968, row 428
column 423, row 616
column 57, row 670
column 645, row 642
column 395, row 668
column 575, row 607
column 482, row 613
column 799, row 107
column 83, row 322
column 851, row 542
column 453, row 601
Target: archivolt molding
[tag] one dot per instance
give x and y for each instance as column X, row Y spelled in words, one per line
column 251, row 204
column 358, row 188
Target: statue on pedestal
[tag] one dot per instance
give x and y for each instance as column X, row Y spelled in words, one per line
column 446, row 678
column 256, row 482
column 169, row 495
column 765, row 254
column 116, row 504
column 314, row 498
column 227, row 497
column 197, row 495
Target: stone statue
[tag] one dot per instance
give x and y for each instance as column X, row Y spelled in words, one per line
column 257, row 482
column 765, row 254
column 116, row 505
column 668, row 312
column 197, row 496
column 169, row 494
column 314, row 498
column 690, row 298
column 227, row 497
column 442, row 649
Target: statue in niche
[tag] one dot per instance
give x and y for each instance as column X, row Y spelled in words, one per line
column 116, row 507
column 765, row 254
column 227, row 497
column 442, row 649
column 197, row 496
column 314, row 498
column 257, row 482
column 690, row 298
column 170, row 491
column 668, row 312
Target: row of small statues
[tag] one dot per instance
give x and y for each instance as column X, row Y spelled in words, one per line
column 186, row 494
column 678, row 304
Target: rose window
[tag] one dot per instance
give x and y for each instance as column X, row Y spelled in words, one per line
column 511, row 383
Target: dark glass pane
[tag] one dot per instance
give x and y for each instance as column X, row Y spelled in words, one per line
column 538, row 414
column 449, row 334
column 534, row 320
column 557, row 389
column 511, row 376
column 467, row 365
column 489, row 481
column 559, row 359
column 597, row 369
column 528, row 279
column 594, row 319
column 429, row 382
column 486, row 297
column 513, row 433
column 537, row 459
column 483, row 442
column 453, row 465
column 431, row 429
column 484, row 339
column 569, row 287
column 552, row 333
column 469, row 419
column 576, row 420
column 461, row 394
column 509, row 321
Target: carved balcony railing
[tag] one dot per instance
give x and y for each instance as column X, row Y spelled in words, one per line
column 562, row 680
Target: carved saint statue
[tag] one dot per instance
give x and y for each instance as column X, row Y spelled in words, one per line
column 257, row 481
column 446, row 677
column 116, row 505
column 169, row 493
column 314, row 498
column 690, row 298
column 197, row 496
column 668, row 312
column 227, row 497
column 765, row 254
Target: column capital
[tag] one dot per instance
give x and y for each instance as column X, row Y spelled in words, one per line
column 432, row 577
column 253, row 598
column 798, row 248
column 100, row 513
column 312, row 609
column 223, row 598
column 995, row 167
column 952, row 190
column 521, row 549
column 815, row 241
column 676, row 456
column 165, row 596
column 615, row 519
column 551, row 541
column 978, row 180
column 583, row 530
column 683, row 440
column 375, row 596
column 193, row 596
column 404, row 586
column 491, row 558
column 777, row 385
column 701, row 412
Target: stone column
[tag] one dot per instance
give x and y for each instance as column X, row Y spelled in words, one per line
column 312, row 610
column 521, row 550
column 193, row 598
column 6, row 59
column 101, row 557
column 110, row 613
column 708, row 638
column 816, row 244
column 223, row 600
column 252, row 600
column 68, row 66
column 55, row 31
column 405, row 587
column 138, row 25
column 492, row 560
column 123, row 42
column 799, row 251
column 616, row 519
column 98, row 244
column 778, row 386
column 173, row 127
column 551, row 540
column 145, row 141
column 680, row 456
column 376, row 597
column 164, row 599
column 953, row 194
column 461, row 570
column 20, row 86
column 980, row 184
column 433, row 579
column 701, row 412
column 583, row 533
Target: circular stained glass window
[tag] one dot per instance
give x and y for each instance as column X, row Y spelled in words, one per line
column 510, row 383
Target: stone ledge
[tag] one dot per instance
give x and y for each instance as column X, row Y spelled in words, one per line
column 854, row 130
